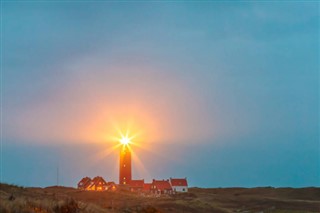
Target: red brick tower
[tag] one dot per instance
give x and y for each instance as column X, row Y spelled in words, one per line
column 125, row 166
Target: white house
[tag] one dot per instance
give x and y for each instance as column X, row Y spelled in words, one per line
column 179, row 185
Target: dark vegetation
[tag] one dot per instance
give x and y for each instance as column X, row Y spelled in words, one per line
column 15, row 199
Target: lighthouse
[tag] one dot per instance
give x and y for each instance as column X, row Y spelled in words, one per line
column 125, row 165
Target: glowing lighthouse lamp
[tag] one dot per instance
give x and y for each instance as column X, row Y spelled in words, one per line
column 125, row 140
column 125, row 161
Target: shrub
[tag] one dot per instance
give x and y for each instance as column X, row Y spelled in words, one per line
column 68, row 206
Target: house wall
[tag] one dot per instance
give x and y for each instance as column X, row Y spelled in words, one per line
column 180, row 188
column 136, row 189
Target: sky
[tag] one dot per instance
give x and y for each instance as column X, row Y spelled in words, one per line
column 224, row 93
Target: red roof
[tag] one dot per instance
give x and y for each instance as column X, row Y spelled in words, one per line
column 136, row 183
column 111, row 183
column 98, row 181
column 178, row 182
column 84, row 182
column 161, row 185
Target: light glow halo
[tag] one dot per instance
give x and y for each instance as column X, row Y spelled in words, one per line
column 125, row 140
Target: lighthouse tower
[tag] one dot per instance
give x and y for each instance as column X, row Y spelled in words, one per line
column 125, row 166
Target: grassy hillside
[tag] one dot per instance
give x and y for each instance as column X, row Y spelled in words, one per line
column 69, row 200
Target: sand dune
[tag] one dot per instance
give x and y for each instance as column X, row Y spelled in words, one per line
column 66, row 199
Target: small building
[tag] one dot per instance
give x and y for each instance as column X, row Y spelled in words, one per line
column 96, row 184
column 136, row 185
column 161, row 187
column 179, row 184
column 84, row 183
column 112, row 186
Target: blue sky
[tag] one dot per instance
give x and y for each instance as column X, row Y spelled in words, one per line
column 225, row 93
